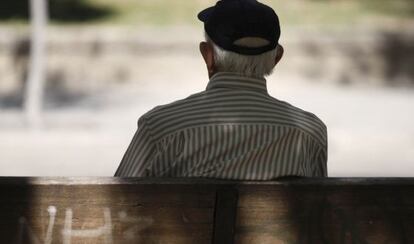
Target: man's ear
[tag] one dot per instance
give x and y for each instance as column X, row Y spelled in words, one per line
column 279, row 53
column 207, row 52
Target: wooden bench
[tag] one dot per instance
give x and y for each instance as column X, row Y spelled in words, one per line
column 196, row 211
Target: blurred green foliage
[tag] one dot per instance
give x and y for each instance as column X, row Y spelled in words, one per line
column 165, row 12
column 59, row 11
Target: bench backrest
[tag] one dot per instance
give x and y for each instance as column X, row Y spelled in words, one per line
column 193, row 211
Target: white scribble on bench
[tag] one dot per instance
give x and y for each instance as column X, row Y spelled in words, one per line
column 135, row 225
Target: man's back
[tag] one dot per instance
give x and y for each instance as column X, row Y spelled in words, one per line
column 233, row 130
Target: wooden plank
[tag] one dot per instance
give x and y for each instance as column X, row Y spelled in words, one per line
column 325, row 214
column 114, row 210
column 199, row 181
column 106, row 213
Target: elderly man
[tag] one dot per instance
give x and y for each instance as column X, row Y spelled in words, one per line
column 234, row 129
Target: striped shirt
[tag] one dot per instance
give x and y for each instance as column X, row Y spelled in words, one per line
column 232, row 130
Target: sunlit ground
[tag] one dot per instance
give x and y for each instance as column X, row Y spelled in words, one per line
column 370, row 129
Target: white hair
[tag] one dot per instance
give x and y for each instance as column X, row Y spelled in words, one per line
column 249, row 65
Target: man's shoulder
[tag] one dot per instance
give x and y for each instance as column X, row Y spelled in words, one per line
column 304, row 119
column 161, row 110
column 309, row 115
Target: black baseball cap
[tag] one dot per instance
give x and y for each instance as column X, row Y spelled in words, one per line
column 231, row 20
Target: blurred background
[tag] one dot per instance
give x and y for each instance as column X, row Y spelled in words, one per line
column 106, row 62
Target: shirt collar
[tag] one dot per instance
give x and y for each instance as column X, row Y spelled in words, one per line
column 237, row 81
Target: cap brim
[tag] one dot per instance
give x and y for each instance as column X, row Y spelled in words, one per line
column 205, row 14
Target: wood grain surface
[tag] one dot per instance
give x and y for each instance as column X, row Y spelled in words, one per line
column 197, row 211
